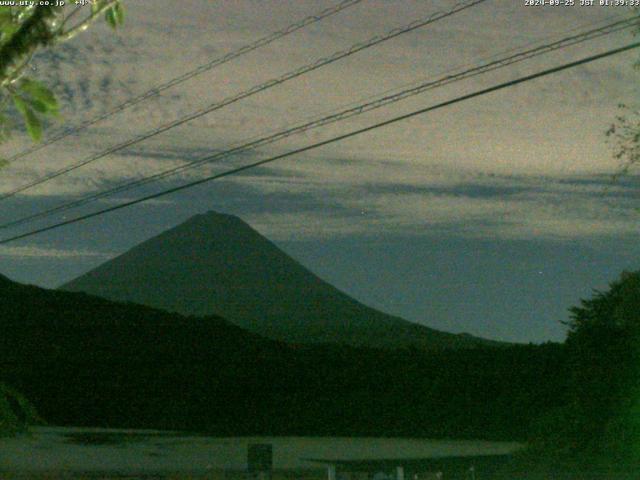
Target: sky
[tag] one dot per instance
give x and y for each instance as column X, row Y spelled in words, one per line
column 491, row 217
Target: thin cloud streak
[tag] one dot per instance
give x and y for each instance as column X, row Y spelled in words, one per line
column 29, row 251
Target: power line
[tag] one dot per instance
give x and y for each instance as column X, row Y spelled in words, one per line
column 294, row 27
column 252, row 91
column 342, row 115
column 345, row 136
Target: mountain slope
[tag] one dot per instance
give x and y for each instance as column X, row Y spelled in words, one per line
column 217, row 264
column 86, row 361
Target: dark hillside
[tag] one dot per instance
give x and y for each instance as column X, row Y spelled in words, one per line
column 87, row 361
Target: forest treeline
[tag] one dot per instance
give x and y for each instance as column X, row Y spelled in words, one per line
column 83, row 360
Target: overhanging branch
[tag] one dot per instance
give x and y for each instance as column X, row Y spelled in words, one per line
column 33, row 33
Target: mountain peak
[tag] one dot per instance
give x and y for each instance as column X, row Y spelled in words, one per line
column 215, row 263
column 216, row 216
column 211, row 221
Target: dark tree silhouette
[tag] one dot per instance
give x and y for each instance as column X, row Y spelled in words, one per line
column 603, row 347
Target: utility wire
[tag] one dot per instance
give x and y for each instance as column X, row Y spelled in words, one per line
column 339, row 138
column 252, row 91
column 341, row 115
column 294, row 27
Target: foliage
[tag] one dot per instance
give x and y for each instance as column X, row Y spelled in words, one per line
column 24, row 30
column 595, row 432
column 624, row 138
column 597, row 429
column 604, row 350
column 15, row 411
column 624, row 133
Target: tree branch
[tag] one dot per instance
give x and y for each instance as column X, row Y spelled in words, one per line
column 33, row 33
column 82, row 26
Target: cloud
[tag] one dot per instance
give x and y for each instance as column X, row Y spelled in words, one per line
column 31, row 251
column 485, row 207
column 525, row 161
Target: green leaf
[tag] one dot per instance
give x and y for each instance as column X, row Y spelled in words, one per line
column 32, row 122
column 3, row 162
column 110, row 16
column 115, row 15
column 43, row 108
column 119, row 10
column 40, row 93
column 7, row 30
column 38, row 106
column 5, row 12
column 5, row 17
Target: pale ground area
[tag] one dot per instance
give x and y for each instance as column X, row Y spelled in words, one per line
column 124, row 453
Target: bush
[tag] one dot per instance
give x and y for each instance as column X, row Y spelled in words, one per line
column 16, row 413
